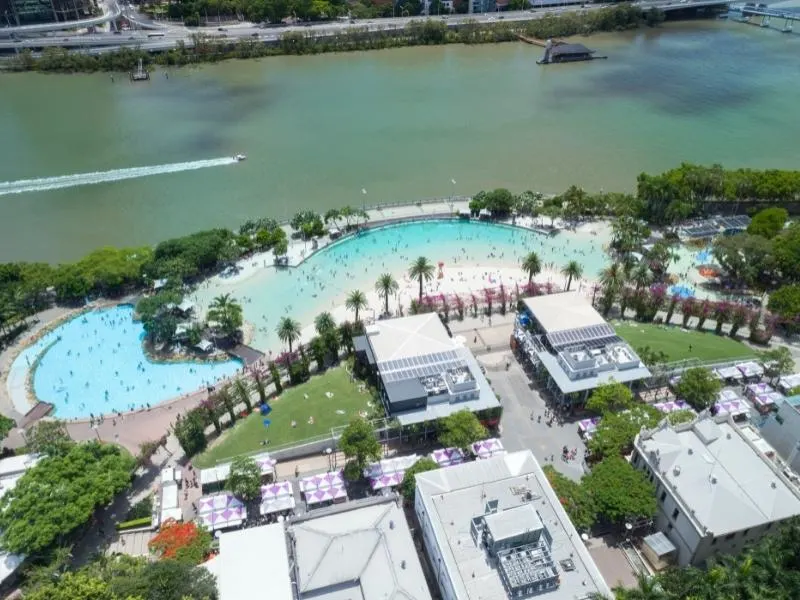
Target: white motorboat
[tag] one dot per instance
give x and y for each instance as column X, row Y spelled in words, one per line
column 240, row 157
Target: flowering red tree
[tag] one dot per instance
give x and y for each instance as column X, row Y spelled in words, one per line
column 181, row 541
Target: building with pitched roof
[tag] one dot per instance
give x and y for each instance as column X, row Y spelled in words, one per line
column 716, row 489
column 352, row 551
column 423, row 373
column 495, row 529
column 573, row 346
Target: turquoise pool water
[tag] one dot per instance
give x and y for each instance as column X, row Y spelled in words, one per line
column 324, row 279
column 95, row 364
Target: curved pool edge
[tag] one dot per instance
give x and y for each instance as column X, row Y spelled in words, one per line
column 19, row 384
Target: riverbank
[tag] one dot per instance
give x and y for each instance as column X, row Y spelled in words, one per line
column 208, row 49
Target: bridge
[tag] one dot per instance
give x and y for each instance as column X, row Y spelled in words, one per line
column 764, row 15
column 169, row 35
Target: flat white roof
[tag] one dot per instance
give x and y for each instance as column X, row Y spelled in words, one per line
column 17, row 465
column 11, row 470
column 453, row 496
column 418, row 335
column 567, row 310
column 723, row 481
column 253, row 563
column 363, row 553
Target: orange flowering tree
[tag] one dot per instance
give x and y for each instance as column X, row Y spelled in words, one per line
column 181, row 541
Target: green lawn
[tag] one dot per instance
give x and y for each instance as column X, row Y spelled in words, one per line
column 292, row 405
column 674, row 342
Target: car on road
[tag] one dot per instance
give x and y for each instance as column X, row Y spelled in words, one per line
column 255, row 35
column 65, row 40
column 117, row 32
column 221, row 29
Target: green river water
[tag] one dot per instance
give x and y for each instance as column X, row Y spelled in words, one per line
column 399, row 123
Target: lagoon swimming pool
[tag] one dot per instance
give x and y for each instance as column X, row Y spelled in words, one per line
column 95, row 364
column 322, row 281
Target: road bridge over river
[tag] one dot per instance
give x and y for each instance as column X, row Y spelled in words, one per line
column 156, row 37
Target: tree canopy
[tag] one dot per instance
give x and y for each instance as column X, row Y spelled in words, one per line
column 409, row 485
column 358, row 442
column 460, row 429
column 620, row 491
column 610, row 397
column 785, row 302
column 616, row 431
column 244, row 478
column 768, row 222
column 574, row 497
column 60, row 493
column 48, row 438
column 698, row 387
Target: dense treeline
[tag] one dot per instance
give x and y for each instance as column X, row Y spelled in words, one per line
column 683, row 192
column 26, row 288
column 429, row 32
column 769, row 568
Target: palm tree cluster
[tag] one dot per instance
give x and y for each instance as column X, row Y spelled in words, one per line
column 767, row 570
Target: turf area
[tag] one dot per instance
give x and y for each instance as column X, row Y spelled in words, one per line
column 674, row 342
column 296, row 404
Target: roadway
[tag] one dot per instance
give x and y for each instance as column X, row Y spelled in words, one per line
column 168, row 35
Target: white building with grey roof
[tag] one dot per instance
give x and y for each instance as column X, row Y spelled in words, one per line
column 565, row 338
column 495, row 529
column 716, row 489
column 352, row 551
column 423, row 373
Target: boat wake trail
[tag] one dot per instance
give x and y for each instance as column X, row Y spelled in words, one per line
column 66, row 181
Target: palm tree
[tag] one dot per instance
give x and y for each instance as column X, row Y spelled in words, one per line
column 421, row 269
column 386, row 286
column 324, row 322
column 572, row 270
column 642, row 276
column 612, row 279
column 288, row 331
column 356, row 301
column 532, row 265
column 242, row 389
column 210, row 407
column 227, row 312
column 259, row 385
column 224, row 396
column 647, row 588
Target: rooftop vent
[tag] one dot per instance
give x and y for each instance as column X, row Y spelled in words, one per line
column 713, row 480
column 676, row 470
column 402, row 564
column 391, row 524
column 691, row 451
column 773, row 485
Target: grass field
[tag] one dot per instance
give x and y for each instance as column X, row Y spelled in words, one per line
column 675, row 342
column 293, row 405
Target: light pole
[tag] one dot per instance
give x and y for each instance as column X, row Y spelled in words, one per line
column 329, row 452
column 452, row 196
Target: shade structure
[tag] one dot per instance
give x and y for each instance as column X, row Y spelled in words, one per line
column 219, row 473
column 588, row 426
column 750, row 369
column 390, row 465
column 447, row 456
column 789, row 382
column 757, row 389
column 221, row 511
column 326, row 494
column 668, row 407
column 273, row 505
column 733, row 408
column 320, row 482
column 276, row 490
column 217, row 502
column 384, row 481
column 488, row 448
column 729, row 373
column 768, row 399
column 728, row 396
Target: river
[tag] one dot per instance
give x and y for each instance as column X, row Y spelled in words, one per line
column 400, row 124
